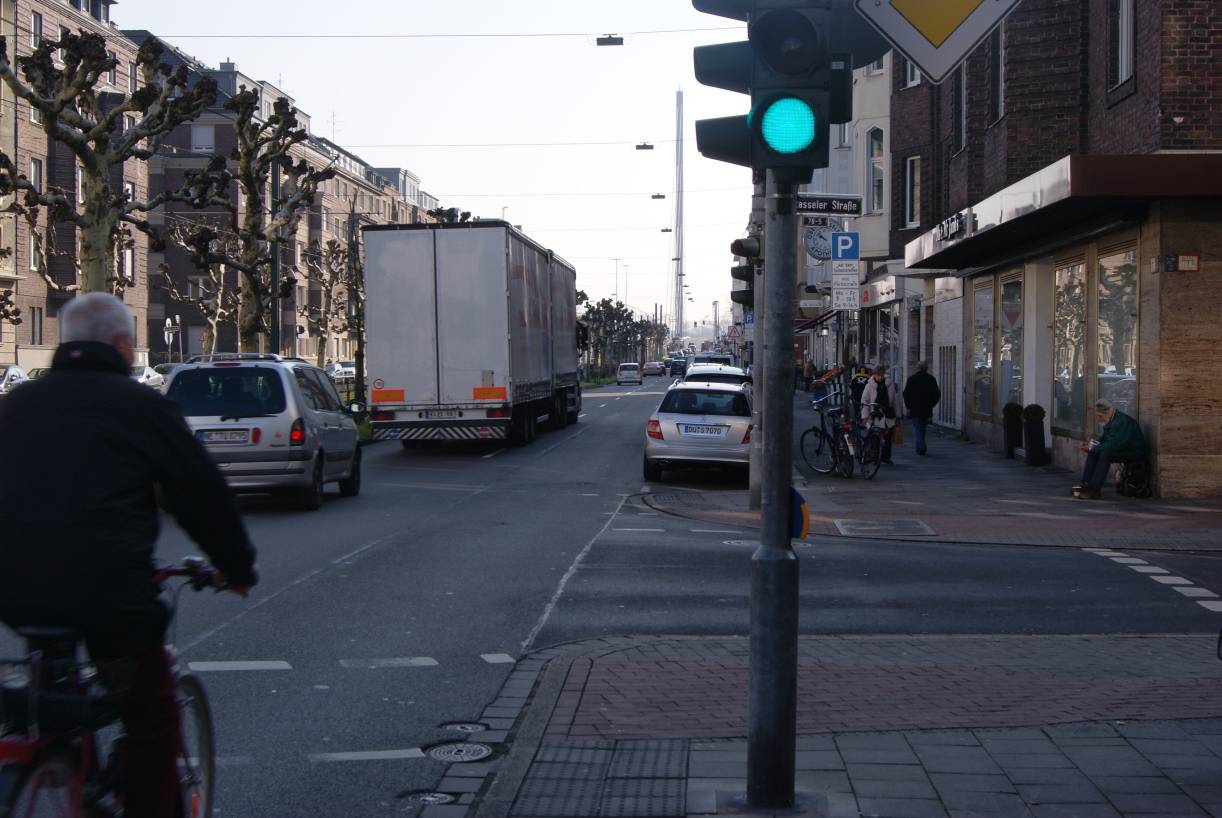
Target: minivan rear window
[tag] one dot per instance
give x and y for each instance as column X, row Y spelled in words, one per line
column 695, row 402
column 245, row 391
column 628, row 367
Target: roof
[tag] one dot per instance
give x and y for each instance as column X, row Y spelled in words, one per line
column 713, row 369
column 707, row 386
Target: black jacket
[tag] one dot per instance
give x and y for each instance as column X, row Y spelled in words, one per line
column 81, row 450
column 921, row 395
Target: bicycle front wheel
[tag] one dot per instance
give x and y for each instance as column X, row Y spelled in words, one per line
column 817, row 451
column 48, row 788
column 197, row 765
column 844, row 458
column 871, row 455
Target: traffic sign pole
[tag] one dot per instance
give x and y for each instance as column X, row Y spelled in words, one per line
column 773, row 685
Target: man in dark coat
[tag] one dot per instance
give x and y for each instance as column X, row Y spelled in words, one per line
column 84, row 447
column 1121, row 441
column 921, row 395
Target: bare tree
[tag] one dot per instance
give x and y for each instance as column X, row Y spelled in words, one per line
column 102, row 130
column 327, row 268
column 263, row 148
column 211, row 295
column 10, row 313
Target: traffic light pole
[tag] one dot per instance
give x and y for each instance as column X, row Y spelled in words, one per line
column 771, row 737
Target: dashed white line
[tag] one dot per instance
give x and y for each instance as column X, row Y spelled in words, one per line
column 399, row 661
column 583, row 414
column 712, row 531
column 491, row 455
column 497, row 658
column 1211, row 604
column 369, row 755
column 1129, row 561
column 1171, row 580
column 210, row 667
column 1149, row 569
column 639, row 529
column 1195, row 591
column 602, row 406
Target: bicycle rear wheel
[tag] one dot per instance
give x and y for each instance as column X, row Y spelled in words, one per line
column 45, row 789
column 197, row 766
column 844, row 458
column 816, row 448
column 871, row 455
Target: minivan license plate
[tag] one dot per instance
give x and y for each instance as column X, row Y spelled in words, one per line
column 702, row 431
column 440, row 414
column 224, row 435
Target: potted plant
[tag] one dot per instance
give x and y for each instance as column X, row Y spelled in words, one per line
column 1033, row 434
column 1012, row 424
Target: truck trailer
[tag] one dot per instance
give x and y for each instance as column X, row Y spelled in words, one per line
column 472, row 333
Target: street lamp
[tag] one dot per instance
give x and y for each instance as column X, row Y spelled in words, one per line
column 610, row 39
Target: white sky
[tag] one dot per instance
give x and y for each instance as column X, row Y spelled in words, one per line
column 396, row 101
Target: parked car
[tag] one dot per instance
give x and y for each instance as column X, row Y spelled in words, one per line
column 165, row 369
column 148, row 376
column 699, row 424
column 628, row 373
column 653, row 368
column 37, row 372
column 723, row 358
column 341, row 369
column 271, row 424
column 11, row 376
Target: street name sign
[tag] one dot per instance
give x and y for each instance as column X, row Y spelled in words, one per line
column 935, row 36
column 828, row 204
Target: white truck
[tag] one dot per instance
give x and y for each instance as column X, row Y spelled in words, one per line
column 472, row 333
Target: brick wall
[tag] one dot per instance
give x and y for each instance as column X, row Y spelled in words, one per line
column 1124, row 118
column 1191, row 75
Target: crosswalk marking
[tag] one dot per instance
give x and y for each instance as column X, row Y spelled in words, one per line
column 401, row 661
column 497, row 658
column 210, row 667
column 369, row 755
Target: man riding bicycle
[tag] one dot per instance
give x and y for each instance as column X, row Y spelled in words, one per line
column 84, row 448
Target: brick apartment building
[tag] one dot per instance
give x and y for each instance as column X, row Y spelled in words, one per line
column 32, row 343
column 1061, row 195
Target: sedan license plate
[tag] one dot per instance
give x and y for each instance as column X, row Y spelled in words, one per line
column 224, row 436
column 440, row 414
column 697, row 430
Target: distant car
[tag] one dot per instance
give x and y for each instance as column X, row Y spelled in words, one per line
column 653, row 368
column 341, row 369
column 148, row 376
column 716, row 373
column 11, row 376
column 628, row 373
column 37, row 372
column 676, row 367
column 271, row 424
column 699, row 424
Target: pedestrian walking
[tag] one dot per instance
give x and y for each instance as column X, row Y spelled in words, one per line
column 808, row 374
column 882, row 391
column 857, row 385
column 921, row 395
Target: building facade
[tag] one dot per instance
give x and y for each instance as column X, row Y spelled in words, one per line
column 1070, row 226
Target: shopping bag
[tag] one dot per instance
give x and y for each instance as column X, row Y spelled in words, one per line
column 897, row 433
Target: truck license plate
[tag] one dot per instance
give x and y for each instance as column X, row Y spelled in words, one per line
column 694, row 430
column 224, row 435
column 440, row 414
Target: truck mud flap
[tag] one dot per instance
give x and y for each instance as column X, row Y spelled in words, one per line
column 481, row 432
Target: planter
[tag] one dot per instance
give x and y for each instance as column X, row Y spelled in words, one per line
column 1013, row 429
column 1033, row 443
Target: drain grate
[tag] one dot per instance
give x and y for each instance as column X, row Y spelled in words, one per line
column 425, row 797
column 465, row 727
column 459, row 752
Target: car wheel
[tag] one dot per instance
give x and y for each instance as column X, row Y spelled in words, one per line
column 652, row 471
column 311, row 496
column 350, row 486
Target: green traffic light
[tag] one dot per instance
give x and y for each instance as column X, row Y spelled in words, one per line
column 788, row 126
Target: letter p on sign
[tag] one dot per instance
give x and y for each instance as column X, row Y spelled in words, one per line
column 846, row 246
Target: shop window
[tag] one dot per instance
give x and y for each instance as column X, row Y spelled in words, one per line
column 1117, row 352
column 1069, row 347
column 982, row 351
column 1010, row 346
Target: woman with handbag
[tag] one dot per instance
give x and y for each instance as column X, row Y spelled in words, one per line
column 884, row 393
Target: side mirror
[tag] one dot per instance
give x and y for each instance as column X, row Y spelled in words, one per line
column 357, row 408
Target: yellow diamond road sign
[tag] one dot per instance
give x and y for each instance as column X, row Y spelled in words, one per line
column 936, row 35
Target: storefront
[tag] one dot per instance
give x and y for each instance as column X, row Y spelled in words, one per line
column 1091, row 279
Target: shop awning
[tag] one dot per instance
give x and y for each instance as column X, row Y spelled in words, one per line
column 1068, row 193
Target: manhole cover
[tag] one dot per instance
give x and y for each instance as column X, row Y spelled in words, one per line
column 465, row 727
column 430, row 798
column 881, row 527
column 459, row 752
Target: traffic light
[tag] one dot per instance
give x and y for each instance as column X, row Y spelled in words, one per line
column 751, row 249
column 786, row 67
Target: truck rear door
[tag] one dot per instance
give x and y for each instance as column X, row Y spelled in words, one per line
column 401, row 317
column 472, row 316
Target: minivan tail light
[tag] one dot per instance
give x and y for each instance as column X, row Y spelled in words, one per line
column 256, row 434
column 747, row 436
column 297, row 433
column 654, row 429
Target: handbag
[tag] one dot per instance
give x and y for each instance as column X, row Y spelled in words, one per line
column 897, row 433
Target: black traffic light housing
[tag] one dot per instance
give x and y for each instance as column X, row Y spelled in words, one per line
column 750, row 248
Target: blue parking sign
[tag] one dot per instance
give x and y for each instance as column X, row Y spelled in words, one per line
column 846, row 246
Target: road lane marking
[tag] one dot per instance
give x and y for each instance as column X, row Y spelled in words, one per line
column 602, row 406
column 583, row 414
column 497, row 658
column 493, row 454
column 1149, row 569
column 399, row 661
column 434, row 486
column 1171, row 580
column 1211, row 604
column 578, row 433
column 639, row 529
column 589, row 495
column 1129, row 561
column 1193, row 590
column 712, row 531
column 369, row 755
column 266, row 664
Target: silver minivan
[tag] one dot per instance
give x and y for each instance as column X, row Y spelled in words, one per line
column 628, row 373
column 270, row 423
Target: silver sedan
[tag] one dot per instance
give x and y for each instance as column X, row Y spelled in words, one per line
column 699, row 424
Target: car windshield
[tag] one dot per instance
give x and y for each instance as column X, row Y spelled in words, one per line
column 697, row 402
column 238, row 391
column 137, row 370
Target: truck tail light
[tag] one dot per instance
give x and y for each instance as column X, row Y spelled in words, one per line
column 297, row 433
column 382, row 416
column 654, row 429
column 747, row 436
column 499, row 412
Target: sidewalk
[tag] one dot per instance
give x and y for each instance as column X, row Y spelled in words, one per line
column 897, row 726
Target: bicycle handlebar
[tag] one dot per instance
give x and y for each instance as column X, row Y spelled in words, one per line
column 195, row 569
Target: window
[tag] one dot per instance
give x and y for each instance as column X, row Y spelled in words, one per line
column 912, row 191
column 311, row 389
column 960, row 107
column 195, row 287
column 876, row 173
column 129, row 191
column 878, row 66
column 112, row 75
column 133, row 77
column 63, row 34
column 997, row 74
column 1010, row 348
column 80, row 185
column 35, row 115
column 35, row 254
column 1120, row 52
column 203, row 138
column 1117, row 352
column 842, row 134
column 247, row 390
column 36, row 174
column 912, row 74
column 1069, row 347
column 982, row 351
column 129, row 264
column 35, row 29
column 36, row 317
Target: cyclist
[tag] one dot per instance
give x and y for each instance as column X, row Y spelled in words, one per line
column 84, row 448
column 885, row 395
column 857, row 386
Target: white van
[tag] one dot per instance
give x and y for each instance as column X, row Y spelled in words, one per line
column 628, row 373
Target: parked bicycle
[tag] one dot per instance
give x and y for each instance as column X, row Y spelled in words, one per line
column 838, row 443
column 818, row 443
column 871, row 437
column 55, row 717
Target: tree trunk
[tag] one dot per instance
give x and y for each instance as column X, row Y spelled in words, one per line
column 207, row 338
column 97, row 254
column 250, row 314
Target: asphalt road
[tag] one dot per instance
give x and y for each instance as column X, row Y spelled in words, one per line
column 380, row 619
